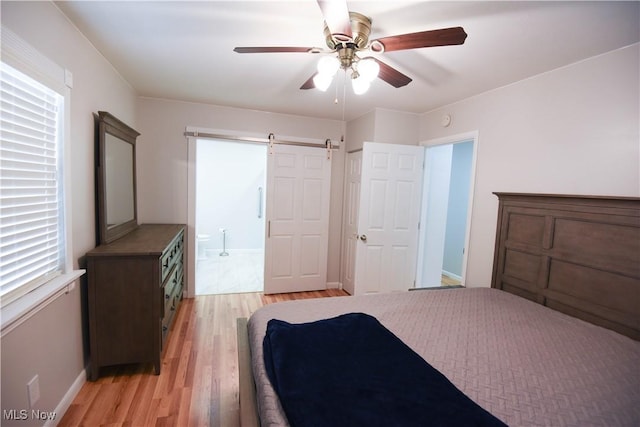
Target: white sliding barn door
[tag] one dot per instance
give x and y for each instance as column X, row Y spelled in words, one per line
column 389, row 213
column 298, row 190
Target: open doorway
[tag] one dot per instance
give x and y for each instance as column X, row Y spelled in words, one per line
column 444, row 230
column 230, row 216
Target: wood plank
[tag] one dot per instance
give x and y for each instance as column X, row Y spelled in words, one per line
column 248, row 409
column 199, row 380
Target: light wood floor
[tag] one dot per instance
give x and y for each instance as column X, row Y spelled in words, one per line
column 198, row 383
column 449, row 281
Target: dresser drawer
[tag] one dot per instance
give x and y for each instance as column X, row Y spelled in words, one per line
column 172, row 288
column 172, row 255
column 172, row 296
column 171, row 308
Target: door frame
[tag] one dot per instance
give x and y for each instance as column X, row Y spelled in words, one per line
column 453, row 139
column 192, row 134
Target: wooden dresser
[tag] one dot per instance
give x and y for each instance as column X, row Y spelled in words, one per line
column 135, row 288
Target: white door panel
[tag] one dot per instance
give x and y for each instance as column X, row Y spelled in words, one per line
column 389, row 212
column 298, row 191
column 350, row 232
column 369, row 280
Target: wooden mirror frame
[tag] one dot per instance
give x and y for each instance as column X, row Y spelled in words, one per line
column 106, row 124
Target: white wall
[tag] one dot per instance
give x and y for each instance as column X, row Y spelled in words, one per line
column 386, row 126
column 396, row 127
column 52, row 343
column 163, row 156
column 360, row 130
column 574, row 130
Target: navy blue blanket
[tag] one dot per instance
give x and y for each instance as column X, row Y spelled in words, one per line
column 352, row 371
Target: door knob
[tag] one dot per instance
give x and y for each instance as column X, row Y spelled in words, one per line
column 363, row 237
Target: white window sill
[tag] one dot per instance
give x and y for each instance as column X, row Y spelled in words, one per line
column 26, row 306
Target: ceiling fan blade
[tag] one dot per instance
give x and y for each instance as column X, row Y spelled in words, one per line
column 392, row 76
column 309, row 84
column 336, row 16
column 442, row 37
column 275, row 49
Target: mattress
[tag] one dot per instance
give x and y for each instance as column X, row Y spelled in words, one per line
column 526, row 364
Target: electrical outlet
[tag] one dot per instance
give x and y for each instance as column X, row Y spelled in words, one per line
column 33, row 389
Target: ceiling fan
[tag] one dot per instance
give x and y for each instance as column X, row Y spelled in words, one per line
column 347, row 35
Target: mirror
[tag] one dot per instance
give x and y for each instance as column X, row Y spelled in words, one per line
column 115, row 178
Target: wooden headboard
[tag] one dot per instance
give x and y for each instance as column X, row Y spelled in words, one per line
column 576, row 254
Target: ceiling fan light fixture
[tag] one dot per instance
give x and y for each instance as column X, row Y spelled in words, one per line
column 368, row 68
column 359, row 84
column 328, row 65
column 322, row 81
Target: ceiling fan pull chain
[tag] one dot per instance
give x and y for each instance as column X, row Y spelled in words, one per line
column 344, row 94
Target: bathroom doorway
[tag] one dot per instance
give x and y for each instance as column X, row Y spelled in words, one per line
column 230, row 216
column 445, row 218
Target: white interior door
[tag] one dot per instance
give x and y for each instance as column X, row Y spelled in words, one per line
column 297, row 209
column 350, row 232
column 389, row 213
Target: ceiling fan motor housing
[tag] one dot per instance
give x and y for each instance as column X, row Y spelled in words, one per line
column 360, row 30
column 346, row 54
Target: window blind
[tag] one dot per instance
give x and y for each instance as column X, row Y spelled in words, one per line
column 31, row 221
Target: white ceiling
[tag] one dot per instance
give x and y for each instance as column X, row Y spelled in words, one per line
column 184, row 50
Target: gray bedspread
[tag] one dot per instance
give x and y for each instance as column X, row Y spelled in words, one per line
column 525, row 363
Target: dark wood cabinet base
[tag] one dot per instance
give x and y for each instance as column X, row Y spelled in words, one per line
column 135, row 288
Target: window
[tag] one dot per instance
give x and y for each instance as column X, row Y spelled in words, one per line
column 31, row 203
column 36, row 264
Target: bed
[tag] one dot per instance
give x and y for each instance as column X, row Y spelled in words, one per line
column 553, row 342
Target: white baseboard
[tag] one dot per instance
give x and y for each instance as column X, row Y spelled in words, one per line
column 334, row 285
column 67, row 400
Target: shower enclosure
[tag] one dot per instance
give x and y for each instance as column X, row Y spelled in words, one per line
column 230, row 224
